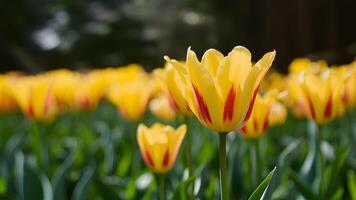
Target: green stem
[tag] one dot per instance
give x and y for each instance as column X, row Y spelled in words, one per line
column 222, row 161
column 321, row 163
column 188, row 149
column 38, row 146
column 256, row 162
column 162, row 188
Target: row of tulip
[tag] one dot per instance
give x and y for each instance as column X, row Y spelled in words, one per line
column 225, row 93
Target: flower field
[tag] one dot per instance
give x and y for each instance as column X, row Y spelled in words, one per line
column 211, row 127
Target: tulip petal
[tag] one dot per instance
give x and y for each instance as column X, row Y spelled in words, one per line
column 203, row 86
column 211, row 59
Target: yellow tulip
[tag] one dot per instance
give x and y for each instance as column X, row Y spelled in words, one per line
column 260, row 117
column 89, row 90
column 64, row 88
column 221, row 90
column 35, row 97
column 319, row 97
column 274, row 81
column 172, row 83
column 278, row 114
column 159, row 145
column 131, row 98
column 161, row 108
column 7, row 102
column 307, row 66
column 349, row 91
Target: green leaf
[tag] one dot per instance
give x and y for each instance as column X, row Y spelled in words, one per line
column 60, row 178
column 106, row 191
column 338, row 194
column 303, row 186
column 351, row 184
column 80, row 190
column 336, row 171
column 3, row 186
column 262, row 189
column 308, row 166
column 31, row 182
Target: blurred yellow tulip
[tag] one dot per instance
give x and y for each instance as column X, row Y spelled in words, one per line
column 159, row 145
column 305, row 65
column 274, row 81
column 7, row 102
column 132, row 97
column 348, row 73
column 277, row 114
column 161, row 108
column 319, row 97
column 35, row 97
column 260, row 117
column 221, row 90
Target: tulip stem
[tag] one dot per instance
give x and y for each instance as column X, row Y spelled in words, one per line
column 255, row 161
column 321, row 164
column 189, row 156
column 222, row 161
column 162, row 188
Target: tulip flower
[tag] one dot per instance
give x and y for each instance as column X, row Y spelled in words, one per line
column 131, row 98
column 172, row 83
column 161, row 108
column 159, row 146
column 221, row 91
column 35, row 97
column 274, row 81
column 260, row 116
column 277, row 114
column 319, row 97
column 7, row 102
column 307, row 66
column 348, row 73
column 65, row 88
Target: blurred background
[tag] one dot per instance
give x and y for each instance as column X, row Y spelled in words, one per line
column 37, row 35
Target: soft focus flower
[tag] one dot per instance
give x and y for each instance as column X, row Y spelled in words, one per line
column 277, row 114
column 159, row 145
column 260, row 117
column 161, row 108
column 220, row 90
column 64, row 88
column 305, row 65
column 171, row 83
column 90, row 89
column 131, row 97
column 7, row 102
column 319, row 97
column 348, row 73
column 274, row 81
column 35, row 97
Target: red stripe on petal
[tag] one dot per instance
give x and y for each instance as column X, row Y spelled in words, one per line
column 229, row 104
column 252, row 102
column 312, row 111
column 166, row 159
column 29, row 111
column 346, row 97
column 147, row 158
column 255, row 124
column 328, row 108
column 265, row 123
column 48, row 99
column 243, row 130
column 202, row 107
